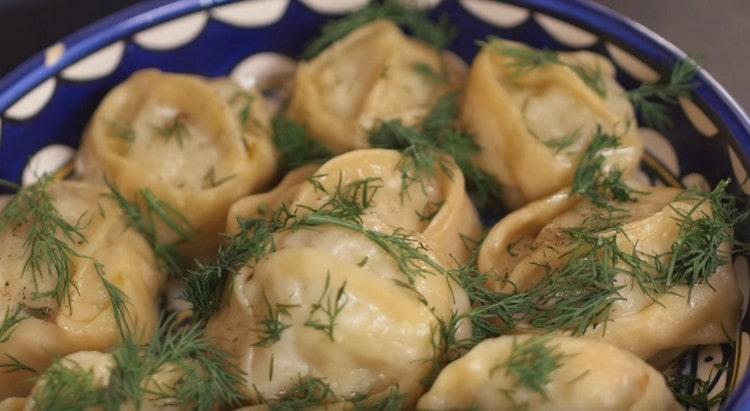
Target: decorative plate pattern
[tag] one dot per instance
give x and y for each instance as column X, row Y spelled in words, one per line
column 45, row 104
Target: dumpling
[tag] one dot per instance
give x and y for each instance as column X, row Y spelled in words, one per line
column 438, row 207
column 52, row 327
column 374, row 74
column 534, row 119
column 547, row 245
column 198, row 145
column 569, row 374
column 331, row 303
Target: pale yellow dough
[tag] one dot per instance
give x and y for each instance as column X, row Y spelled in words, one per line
column 199, row 170
column 512, row 116
column 382, row 337
column 637, row 322
column 87, row 323
column 593, row 375
column 368, row 77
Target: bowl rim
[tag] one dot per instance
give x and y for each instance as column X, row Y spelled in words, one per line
column 605, row 22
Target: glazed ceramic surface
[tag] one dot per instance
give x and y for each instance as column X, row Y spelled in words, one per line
column 46, row 103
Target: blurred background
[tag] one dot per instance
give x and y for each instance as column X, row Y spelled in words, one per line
column 716, row 30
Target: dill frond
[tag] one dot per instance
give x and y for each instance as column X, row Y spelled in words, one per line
column 652, row 100
column 348, row 201
column 14, row 364
column 532, row 363
column 295, row 146
column 330, row 307
column 696, row 393
column 526, row 60
column 590, row 179
column 119, row 300
column 66, row 387
column 9, row 323
column 272, row 325
column 557, row 145
column 394, row 401
column 246, row 99
column 437, row 34
column 430, row 74
column 175, row 128
column 308, row 392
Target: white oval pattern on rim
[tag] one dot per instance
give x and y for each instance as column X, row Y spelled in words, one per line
column 96, row 65
column 334, row 6
column 631, row 64
column 172, row 34
column 48, row 160
column 496, row 13
column 251, row 13
column 32, row 103
column 566, row 33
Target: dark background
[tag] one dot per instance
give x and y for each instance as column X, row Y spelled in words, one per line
column 717, row 30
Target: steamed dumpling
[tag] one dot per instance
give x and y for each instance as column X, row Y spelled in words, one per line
column 531, row 243
column 380, row 336
column 198, row 145
column 374, row 74
column 438, row 208
column 590, row 375
column 534, row 124
column 50, row 330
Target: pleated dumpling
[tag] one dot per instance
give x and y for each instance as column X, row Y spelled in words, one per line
column 59, row 284
column 534, row 112
column 655, row 275
column 341, row 305
column 374, row 74
column 197, row 145
column 543, row 373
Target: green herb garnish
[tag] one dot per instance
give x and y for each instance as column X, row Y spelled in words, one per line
column 532, row 363
column 330, row 306
column 295, row 146
column 653, row 99
column 174, row 128
column 272, row 325
column 437, row 34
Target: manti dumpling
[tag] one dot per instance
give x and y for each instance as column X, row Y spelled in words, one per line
column 534, row 112
column 542, row 242
column 50, row 329
column 437, row 207
column 374, row 74
column 93, row 371
column 330, row 303
column 587, row 375
column 197, row 144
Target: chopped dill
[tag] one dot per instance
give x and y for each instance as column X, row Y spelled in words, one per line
column 437, row 34
column 347, row 202
column 531, row 362
column 210, row 178
column 653, row 99
column 246, row 99
column 592, row 182
column 174, row 128
column 394, row 401
column 425, row 150
column 122, row 130
column 557, row 145
column 67, row 386
column 296, row 147
column 14, row 365
column 430, row 74
column 9, row 323
column 308, row 392
column 119, row 300
column 145, row 222
column 526, row 60
column 330, row 307
column 272, row 325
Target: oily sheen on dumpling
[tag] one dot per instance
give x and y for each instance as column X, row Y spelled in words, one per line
column 374, row 74
column 87, row 323
column 381, row 337
column 534, row 124
column 529, row 239
column 592, row 375
column 438, row 207
column 198, row 145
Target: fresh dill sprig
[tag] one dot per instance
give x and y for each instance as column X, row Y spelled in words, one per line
column 532, row 363
column 210, row 178
column 526, row 60
column 246, row 99
column 424, row 70
column 296, row 148
column 145, row 222
column 557, row 145
column 693, row 392
column 272, row 325
column 696, row 255
column 329, row 306
column 437, row 34
column 394, row 401
column 347, row 201
column 308, row 392
column 67, row 386
column 119, row 300
column 14, row 364
column 425, row 150
column 652, row 100
column 592, row 182
column 174, row 128
column 9, row 323
column 204, row 285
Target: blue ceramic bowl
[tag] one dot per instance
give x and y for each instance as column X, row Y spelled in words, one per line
column 46, row 103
